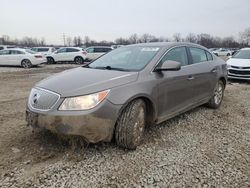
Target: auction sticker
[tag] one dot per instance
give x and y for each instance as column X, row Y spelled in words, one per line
column 149, row 49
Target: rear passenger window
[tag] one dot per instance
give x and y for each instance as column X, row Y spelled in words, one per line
column 198, row 55
column 209, row 56
column 16, row 52
column 178, row 54
column 98, row 50
column 72, row 50
column 43, row 49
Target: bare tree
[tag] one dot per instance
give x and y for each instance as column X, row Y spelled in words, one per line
column 145, row 38
column 69, row 41
column 133, row 39
column 245, row 37
column 177, row 37
column 86, row 41
column 77, row 41
column 42, row 42
column 191, row 38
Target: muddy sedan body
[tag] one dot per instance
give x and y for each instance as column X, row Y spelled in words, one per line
column 126, row 89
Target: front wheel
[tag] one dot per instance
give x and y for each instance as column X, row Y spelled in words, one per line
column 26, row 64
column 130, row 125
column 217, row 97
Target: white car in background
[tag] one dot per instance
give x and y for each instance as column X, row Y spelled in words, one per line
column 67, row 54
column 44, row 50
column 95, row 52
column 239, row 65
column 222, row 52
column 21, row 57
column 4, row 47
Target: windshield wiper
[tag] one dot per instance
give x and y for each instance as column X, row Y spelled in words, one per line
column 111, row 68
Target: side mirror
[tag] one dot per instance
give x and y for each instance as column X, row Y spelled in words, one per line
column 169, row 65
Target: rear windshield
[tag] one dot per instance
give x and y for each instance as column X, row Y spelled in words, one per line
column 127, row 58
column 242, row 54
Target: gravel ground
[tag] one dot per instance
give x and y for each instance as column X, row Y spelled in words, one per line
column 201, row 148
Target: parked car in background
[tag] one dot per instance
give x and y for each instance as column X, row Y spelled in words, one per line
column 74, row 54
column 223, row 52
column 95, row 52
column 234, row 50
column 116, row 46
column 4, row 47
column 212, row 49
column 126, row 89
column 239, row 65
column 21, row 57
column 44, row 50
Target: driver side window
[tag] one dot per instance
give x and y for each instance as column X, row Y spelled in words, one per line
column 178, row 54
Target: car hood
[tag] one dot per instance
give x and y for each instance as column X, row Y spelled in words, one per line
column 82, row 81
column 239, row 62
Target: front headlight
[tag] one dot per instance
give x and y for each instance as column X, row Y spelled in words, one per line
column 83, row 102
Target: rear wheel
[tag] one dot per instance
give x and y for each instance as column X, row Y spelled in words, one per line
column 50, row 60
column 130, row 125
column 217, row 97
column 228, row 54
column 79, row 60
column 26, row 64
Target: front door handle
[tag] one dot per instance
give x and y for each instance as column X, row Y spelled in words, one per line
column 190, row 77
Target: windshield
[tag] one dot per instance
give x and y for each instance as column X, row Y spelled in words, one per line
column 30, row 51
column 126, row 58
column 242, row 54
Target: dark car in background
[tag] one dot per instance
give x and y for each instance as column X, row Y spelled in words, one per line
column 120, row 93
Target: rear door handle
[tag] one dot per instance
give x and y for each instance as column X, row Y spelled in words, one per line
column 190, row 77
column 214, row 70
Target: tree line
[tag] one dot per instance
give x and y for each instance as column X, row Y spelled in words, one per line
column 203, row 39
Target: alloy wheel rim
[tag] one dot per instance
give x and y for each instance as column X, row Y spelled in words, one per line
column 218, row 94
column 78, row 60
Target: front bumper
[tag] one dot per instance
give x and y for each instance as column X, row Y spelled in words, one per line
column 94, row 125
column 239, row 73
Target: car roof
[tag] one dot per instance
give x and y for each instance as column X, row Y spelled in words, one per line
column 245, row 49
column 99, row 47
column 166, row 44
column 43, row 47
column 20, row 49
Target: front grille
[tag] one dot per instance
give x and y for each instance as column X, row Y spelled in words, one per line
column 42, row 99
column 241, row 72
column 240, row 67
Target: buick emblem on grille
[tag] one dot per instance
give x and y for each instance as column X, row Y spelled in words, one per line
column 35, row 99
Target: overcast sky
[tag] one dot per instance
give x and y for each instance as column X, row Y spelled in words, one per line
column 110, row 19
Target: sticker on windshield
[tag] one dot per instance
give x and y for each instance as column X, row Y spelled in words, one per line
column 149, row 49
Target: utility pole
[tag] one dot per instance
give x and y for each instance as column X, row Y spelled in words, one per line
column 64, row 37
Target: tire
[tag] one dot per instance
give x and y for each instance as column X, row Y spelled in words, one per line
column 130, row 125
column 218, row 95
column 78, row 60
column 216, row 54
column 50, row 60
column 228, row 54
column 26, row 64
